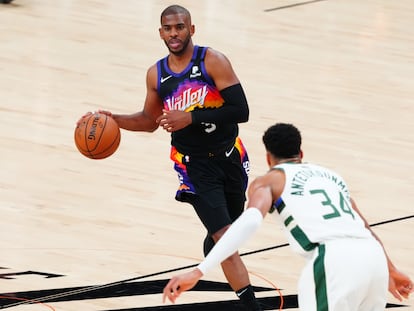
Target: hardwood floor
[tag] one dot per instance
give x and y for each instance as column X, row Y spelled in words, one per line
column 81, row 234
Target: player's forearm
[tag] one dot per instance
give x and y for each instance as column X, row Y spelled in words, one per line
column 391, row 266
column 135, row 122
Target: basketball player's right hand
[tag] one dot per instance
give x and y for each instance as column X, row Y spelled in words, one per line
column 108, row 113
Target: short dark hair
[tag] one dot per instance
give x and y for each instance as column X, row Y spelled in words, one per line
column 175, row 9
column 282, row 140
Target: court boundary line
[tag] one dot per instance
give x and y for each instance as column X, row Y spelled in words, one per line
column 292, row 5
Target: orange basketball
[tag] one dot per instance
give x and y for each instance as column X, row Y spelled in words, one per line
column 97, row 136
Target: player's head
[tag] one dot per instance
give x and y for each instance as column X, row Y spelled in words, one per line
column 283, row 141
column 176, row 28
column 174, row 10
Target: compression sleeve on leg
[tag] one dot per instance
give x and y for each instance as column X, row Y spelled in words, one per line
column 238, row 233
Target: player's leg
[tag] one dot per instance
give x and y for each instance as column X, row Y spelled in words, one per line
column 237, row 275
column 210, row 204
column 236, row 168
column 235, row 184
column 213, row 213
column 187, row 192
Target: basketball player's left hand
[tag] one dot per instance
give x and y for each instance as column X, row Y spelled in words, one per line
column 181, row 283
column 400, row 285
column 174, row 120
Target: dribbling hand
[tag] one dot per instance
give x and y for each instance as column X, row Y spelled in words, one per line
column 108, row 113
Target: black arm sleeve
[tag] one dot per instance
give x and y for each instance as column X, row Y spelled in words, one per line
column 234, row 110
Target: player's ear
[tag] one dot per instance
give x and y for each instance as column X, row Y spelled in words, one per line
column 301, row 154
column 269, row 163
column 192, row 30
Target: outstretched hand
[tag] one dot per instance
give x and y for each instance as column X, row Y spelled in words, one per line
column 181, row 283
column 400, row 285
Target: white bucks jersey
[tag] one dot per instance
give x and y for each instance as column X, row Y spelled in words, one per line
column 315, row 207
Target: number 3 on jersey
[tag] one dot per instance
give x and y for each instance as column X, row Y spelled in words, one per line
column 209, row 127
column 326, row 201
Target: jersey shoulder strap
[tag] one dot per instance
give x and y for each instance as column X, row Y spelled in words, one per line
column 198, row 63
column 199, row 54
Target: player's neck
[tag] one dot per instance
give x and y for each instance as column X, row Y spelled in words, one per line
column 178, row 62
column 290, row 160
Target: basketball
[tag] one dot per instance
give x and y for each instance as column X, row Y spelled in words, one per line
column 97, row 136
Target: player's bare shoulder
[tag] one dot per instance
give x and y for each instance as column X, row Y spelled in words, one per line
column 275, row 179
column 219, row 68
column 265, row 181
column 215, row 56
column 215, row 59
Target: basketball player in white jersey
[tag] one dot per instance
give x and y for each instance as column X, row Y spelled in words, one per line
column 347, row 267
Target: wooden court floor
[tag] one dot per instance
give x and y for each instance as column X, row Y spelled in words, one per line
column 81, row 234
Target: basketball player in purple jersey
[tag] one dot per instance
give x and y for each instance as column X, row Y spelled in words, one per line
column 194, row 94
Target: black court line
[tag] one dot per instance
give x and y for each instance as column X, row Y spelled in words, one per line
column 391, row 220
column 138, row 288
column 97, row 287
column 292, row 5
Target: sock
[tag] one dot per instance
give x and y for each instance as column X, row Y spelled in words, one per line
column 247, row 297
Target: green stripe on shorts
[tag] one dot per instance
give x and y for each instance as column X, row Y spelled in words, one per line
column 320, row 280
